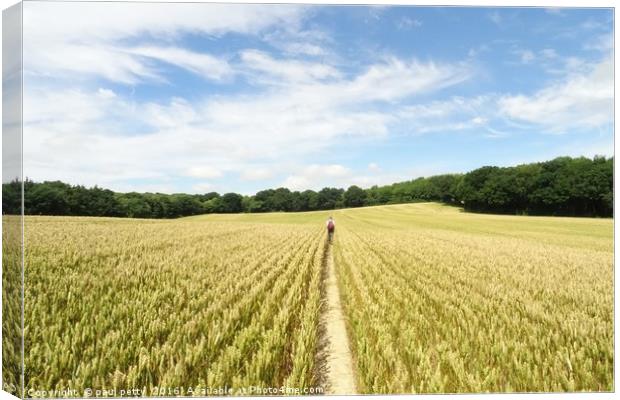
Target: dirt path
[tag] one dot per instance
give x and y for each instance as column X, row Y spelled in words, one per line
column 340, row 378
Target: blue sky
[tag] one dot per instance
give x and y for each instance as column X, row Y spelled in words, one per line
column 200, row 97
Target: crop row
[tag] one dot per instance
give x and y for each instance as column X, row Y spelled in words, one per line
column 449, row 311
column 112, row 304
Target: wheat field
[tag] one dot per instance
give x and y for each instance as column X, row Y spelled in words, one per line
column 440, row 301
column 113, row 304
column 436, row 301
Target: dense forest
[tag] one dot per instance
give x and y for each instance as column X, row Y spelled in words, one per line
column 563, row 186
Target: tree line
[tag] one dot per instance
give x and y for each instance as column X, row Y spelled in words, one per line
column 563, row 186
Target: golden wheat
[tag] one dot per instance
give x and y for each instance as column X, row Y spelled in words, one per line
column 169, row 305
column 441, row 301
column 436, row 301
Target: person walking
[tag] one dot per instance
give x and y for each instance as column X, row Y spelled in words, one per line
column 331, row 227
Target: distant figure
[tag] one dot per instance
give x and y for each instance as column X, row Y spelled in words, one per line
column 331, row 227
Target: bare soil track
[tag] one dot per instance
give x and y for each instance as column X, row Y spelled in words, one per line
column 339, row 375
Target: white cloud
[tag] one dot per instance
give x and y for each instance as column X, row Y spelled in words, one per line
column 75, row 40
column 256, row 174
column 597, row 147
column 479, row 120
column 297, row 182
column 198, row 63
column 78, row 61
column 603, row 43
column 308, row 42
column 525, row 56
column 493, row 133
column 178, row 114
column 565, row 66
column 451, row 115
column 374, row 167
column 389, row 80
column 474, row 51
column 109, row 138
column 106, row 93
column 95, row 143
column 407, row 23
column 582, row 100
column 318, row 176
column 496, row 18
column 298, row 109
column 286, row 70
column 50, row 107
column 128, row 65
column 548, row 53
column 331, row 170
column 206, row 172
column 202, row 187
column 97, row 22
column 304, row 48
column 395, row 79
column 595, row 24
column 311, row 114
column 574, row 64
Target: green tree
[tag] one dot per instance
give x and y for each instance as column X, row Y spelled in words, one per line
column 12, row 198
column 354, row 196
column 309, row 200
column 231, row 203
column 329, row 198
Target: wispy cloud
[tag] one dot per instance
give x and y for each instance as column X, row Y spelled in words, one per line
column 205, row 172
column 374, row 167
column 164, row 21
column 93, row 44
column 202, row 64
column 548, row 53
column 475, row 51
column 317, row 176
column 309, row 108
column 285, row 71
column 603, row 43
column 254, row 173
column 582, row 100
column 202, row 187
column 526, row 56
column 595, row 24
column 451, row 115
column 299, row 41
column 406, row 23
column 496, row 18
column 276, row 91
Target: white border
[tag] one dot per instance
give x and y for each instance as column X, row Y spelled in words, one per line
column 483, row 3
